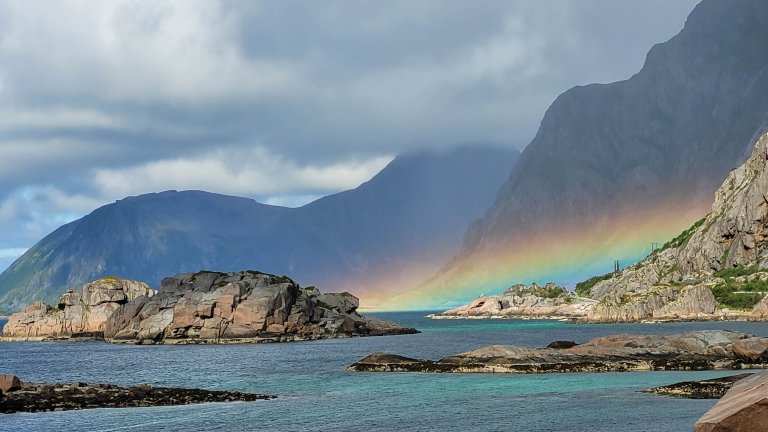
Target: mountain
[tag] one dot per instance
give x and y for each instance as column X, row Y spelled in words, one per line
column 716, row 269
column 389, row 232
column 616, row 167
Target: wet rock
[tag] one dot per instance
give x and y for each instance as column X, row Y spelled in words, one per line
column 33, row 397
column 698, row 350
column 562, row 344
column 705, row 389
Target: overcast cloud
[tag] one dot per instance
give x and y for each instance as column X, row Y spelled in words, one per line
column 279, row 100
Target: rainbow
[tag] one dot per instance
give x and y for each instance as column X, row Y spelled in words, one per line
column 566, row 256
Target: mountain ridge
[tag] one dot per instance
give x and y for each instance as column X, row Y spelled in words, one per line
column 340, row 242
column 642, row 155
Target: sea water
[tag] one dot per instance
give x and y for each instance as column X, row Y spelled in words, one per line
column 316, row 393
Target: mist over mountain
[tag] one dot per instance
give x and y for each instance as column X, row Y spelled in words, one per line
column 615, row 167
column 398, row 227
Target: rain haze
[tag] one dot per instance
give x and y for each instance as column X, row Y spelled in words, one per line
column 281, row 101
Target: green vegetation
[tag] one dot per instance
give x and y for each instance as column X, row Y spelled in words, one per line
column 53, row 311
column 325, row 305
column 736, row 272
column 548, row 291
column 111, row 278
column 739, row 295
column 683, row 237
column 583, row 288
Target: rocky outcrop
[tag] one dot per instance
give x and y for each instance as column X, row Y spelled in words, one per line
column 705, row 389
column 33, row 397
column 743, row 409
column 77, row 314
column 699, row 350
column 549, row 302
column 203, row 307
column 9, row 383
column 714, row 270
column 678, row 281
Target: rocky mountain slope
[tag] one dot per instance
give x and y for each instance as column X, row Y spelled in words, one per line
column 203, row 307
column 716, row 269
column 394, row 230
column 615, row 167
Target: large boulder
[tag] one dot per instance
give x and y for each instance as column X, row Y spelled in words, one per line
column 84, row 312
column 9, row 383
column 344, row 302
column 743, row 409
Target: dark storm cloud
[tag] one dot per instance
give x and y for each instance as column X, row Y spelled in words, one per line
column 279, row 100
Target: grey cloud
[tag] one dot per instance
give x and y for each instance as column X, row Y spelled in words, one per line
column 126, row 88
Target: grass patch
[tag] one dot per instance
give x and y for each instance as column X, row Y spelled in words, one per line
column 111, row 278
column 739, row 295
column 683, row 237
column 325, row 305
column 550, row 292
column 583, row 288
column 736, row 272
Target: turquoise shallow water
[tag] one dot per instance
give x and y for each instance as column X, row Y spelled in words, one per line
column 317, row 394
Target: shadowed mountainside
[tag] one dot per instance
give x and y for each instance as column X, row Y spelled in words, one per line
column 399, row 227
column 615, row 167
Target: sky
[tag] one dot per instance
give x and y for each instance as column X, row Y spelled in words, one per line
column 283, row 101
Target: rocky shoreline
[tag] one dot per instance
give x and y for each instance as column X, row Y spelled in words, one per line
column 18, row 396
column 197, row 308
column 698, row 350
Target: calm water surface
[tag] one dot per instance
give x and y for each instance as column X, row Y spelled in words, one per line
column 317, row 394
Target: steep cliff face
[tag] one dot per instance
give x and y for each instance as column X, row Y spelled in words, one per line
column 714, row 269
column 633, row 160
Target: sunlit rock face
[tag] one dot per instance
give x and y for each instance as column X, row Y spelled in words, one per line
column 202, row 307
column 84, row 312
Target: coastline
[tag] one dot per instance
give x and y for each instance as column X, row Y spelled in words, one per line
column 736, row 317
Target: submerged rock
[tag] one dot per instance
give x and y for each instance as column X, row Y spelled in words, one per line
column 203, row 307
column 714, row 388
column 34, row 397
column 697, row 350
column 743, row 409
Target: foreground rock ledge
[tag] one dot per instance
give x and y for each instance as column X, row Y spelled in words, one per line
column 203, row 307
column 743, row 409
column 698, row 350
column 34, row 397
